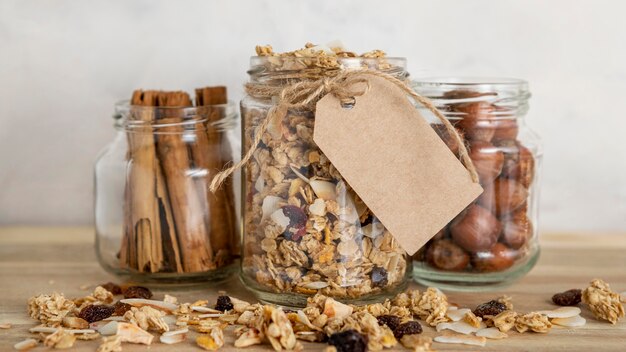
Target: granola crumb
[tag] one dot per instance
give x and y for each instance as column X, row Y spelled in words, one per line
column 534, row 322
column 603, row 303
column 61, row 339
column 111, row 344
column 50, row 309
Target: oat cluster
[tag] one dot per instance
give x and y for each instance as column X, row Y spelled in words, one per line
column 50, row 309
column 604, row 303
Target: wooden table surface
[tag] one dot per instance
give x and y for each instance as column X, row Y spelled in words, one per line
column 44, row 260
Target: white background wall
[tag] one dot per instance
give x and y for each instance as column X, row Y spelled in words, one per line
column 64, row 63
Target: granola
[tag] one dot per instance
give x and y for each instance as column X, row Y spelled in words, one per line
column 534, row 322
column 147, row 318
column 60, row 339
column 111, row 344
column 604, row 303
column 50, row 309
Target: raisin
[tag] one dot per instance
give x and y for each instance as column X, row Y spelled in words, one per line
column 297, row 217
column 113, row 288
column 379, row 276
column 490, row 308
column 348, row 341
column 137, row 292
column 391, row 321
column 409, row 328
column 121, row 308
column 568, row 298
column 93, row 313
column 223, row 303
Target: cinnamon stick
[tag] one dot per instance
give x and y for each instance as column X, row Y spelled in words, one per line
column 221, row 204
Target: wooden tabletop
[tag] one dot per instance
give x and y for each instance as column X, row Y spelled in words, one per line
column 44, row 260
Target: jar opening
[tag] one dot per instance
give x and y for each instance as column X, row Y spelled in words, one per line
column 221, row 116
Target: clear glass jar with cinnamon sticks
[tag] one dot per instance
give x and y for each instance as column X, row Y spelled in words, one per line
column 494, row 241
column 306, row 231
column 156, row 219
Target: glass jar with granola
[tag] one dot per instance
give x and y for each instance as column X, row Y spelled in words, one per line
column 494, row 241
column 305, row 230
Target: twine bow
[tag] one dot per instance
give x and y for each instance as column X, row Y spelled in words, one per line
column 344, row 86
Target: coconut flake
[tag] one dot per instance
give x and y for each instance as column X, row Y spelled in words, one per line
column 270, row 205
column 211, row 315
column 456, row 314
column 492, row 333
column 160, row 305
column 108, row 329
column 280, row 219
column 50, row 330
column 259, row 184
column 25, row 345
column 202, row 309
column 318, row 207
column 461, row 339
column 133, row 334
column 175, row 336
column 562, row 312
column 323, row 189
column 315, row 285
column 335, row 309
column 460, row 327
column 570, row 322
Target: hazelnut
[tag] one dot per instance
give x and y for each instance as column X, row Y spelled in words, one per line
column 477, row 229
column 499, row 258
column 478, row 129
column 487, row 199
column 506, row 130
column 488, row 160
column 516, row 229
column 510, row 195
column 519, row 163
column 445, row 136
column 445, row 255
column 476, row 116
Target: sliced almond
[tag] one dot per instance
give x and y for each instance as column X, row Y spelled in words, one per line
column 211, row 315
column 280, row 219
column 492, row 333
column 160, row 305
column 202, row 309
column 298, row 173
column 460, row 327
column 25, row 345
column 456, row 314
column 461, row 339
column 176, row 336
column 318, row 207
column 324, row 189
column 335, row 309
column 570, row 322
column 561, row 312
column 315, row 285
column 270, row 205
column 108, row 329
column 50, row 330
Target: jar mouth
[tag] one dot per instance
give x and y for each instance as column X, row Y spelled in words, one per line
column 495, row 97
column 222, row 116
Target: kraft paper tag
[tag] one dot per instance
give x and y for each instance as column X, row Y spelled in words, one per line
column 395, row 162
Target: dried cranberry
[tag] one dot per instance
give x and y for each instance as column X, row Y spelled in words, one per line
column 137, row 292
column 379, row 276
column 113, row 288
column 224, row 303
column 348, row 341
column 297, row 217
column 93, row 313
column 409, row 328
column 568, row 298
column 391, row 321
column 121, row 308
column 492, row 308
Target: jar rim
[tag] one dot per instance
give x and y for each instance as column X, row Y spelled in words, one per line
column 476, row 82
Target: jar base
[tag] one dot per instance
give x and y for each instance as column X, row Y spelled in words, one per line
column 472, row 282
column 177, row 279
column 297, row 300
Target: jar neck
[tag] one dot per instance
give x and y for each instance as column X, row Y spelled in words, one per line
column 278, row 70
column 132, row 117
column 488, row 98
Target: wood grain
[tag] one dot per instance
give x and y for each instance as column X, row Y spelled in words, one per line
column 38, row 260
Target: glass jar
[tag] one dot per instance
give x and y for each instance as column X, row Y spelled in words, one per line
column 305, row 229
column 494, row 240
column 156, row 220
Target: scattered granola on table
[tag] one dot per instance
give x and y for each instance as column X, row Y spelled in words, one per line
column 306, row 230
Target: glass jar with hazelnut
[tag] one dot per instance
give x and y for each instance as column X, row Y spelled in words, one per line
column 494, row 240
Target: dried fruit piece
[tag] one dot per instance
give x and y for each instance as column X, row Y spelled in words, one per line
column 121, row 308
column 446, row 255
column 604, row 303
column 489, row 308
column 113, row 288
column 409, row 328
column 568, row 298
column 348, row 341
column 223, row 304
column 391, row 321
column 379, row 276
column 137, row 292
column 93, row 313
